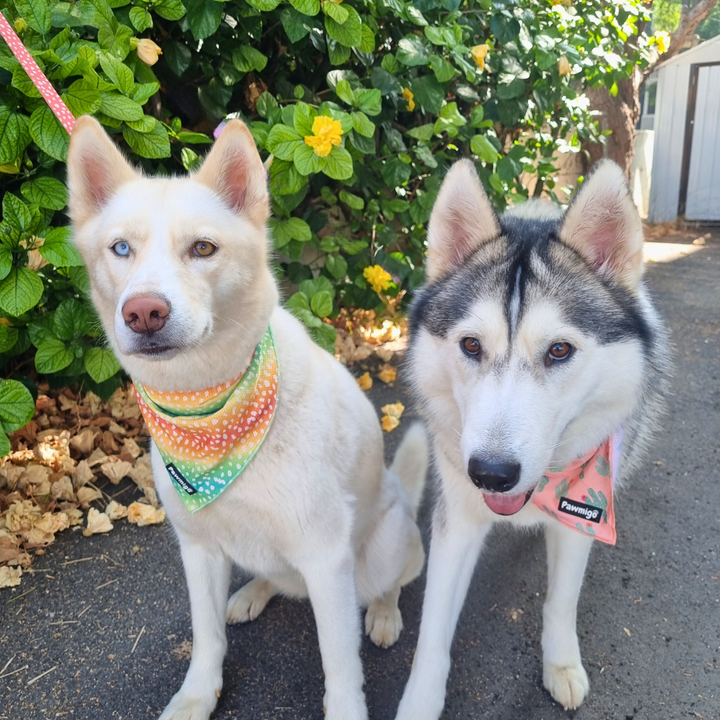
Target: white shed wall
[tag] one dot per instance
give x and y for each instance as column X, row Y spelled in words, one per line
column 670, row 112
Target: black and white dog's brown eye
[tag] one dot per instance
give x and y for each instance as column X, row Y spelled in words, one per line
column 471, row 346
column 558, row 352
column 203, row 248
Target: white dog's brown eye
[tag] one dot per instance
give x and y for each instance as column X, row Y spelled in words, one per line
column 558, row 351
column 203, row 248
column 471, row 346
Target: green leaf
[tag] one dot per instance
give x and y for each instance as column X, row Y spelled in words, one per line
column 14, row 135
column 71, row 319
column 177, row 56
column 282, row 141
column 153, row 144
column 337, row 266
column 508, row 168
column 82, row 98
column 116, row 41
column 22, row 82
column 266, row 103
column 247, row 58
column 101, row 364
column 47, row 192
column 299, row 229
column 344, row 90
column 484, row 149
column 369, row 101
column 513, row 90
column 59, row 250
column 118, row 73
column 303, row 117
column 36, row 14
column 52, row 355
column 321, row 303
column 429, row 93
column 16, row 213
column 144, row 91
column 120, row 107
column 306, row 7
column 444, row 71
column 295, row 24
column 20, row 291
column 264, row 5
column 368, row 42
column 362, row 124
column 16, row 405
column 284, row 178
column 5, row 445
column 423, row 132
column 146, row 124
column 339, row 164
column 336, row 12
column 477, row 114
column 355, row 202
column 140, row 18
column 5, row 260
column 169, row 9
column 189, row 159
column 8, row 338
column 204, row 17
column 395, row 172
column 413, row 51
column 324, row 335
column 347, row 34
column 424, row 154
column 306, row 161
column 48, row 134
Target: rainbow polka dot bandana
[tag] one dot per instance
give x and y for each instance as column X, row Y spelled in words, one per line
column 208, row 437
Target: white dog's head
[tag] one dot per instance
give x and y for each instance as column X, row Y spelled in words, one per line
column 178, row 266
column 529, row 342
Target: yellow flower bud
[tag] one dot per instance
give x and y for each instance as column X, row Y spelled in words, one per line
column 20, row 25
column 148, row 51
column 479, row 53
column 409, row 97
column 564, row 66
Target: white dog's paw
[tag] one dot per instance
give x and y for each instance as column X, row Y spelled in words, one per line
column 568, row 684
column 184, row 707
column 249, row 601
column 383, row 623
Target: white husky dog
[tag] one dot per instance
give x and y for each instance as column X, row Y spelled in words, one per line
column 533, row 343
column 180, row 277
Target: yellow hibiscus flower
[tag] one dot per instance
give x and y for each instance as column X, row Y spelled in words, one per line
column 479, row 53
column 326, row 133
column 379, row 278
column 410, row 98
column 148, row 51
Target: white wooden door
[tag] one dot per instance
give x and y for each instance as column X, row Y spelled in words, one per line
column 703, row 193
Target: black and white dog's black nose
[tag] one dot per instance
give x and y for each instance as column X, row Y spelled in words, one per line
column 497, row 477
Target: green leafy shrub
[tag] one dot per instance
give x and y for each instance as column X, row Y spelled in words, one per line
column 362, row 104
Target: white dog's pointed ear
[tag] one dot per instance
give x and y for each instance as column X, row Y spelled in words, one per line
column 96, row 169
column 462, row 220
column 604, row 226
column 234, row 170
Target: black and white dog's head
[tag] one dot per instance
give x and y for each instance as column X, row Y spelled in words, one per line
column 529, row 342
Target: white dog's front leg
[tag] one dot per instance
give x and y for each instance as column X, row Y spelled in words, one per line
column 563, row 673
column 208, row 578
column 454, row 551
column 330, row 582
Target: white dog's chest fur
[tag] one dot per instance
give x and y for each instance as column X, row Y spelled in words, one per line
column 266, row 513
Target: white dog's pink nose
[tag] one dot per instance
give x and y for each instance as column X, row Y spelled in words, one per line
column 145, row 313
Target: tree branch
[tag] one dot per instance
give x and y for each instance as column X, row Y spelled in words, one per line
column 690, row 19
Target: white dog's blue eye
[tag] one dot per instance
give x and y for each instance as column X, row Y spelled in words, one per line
column 121, row 248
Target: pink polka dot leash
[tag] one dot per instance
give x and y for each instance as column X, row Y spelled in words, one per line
column 59, row 108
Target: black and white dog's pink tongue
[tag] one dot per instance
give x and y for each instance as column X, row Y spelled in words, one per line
column 505, row 504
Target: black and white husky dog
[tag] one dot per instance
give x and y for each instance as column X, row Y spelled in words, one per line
column 533, row 342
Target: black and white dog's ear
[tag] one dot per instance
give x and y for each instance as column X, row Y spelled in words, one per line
column 604, row 226
column 462, row 220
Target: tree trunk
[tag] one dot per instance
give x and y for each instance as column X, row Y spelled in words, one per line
column 619, row 115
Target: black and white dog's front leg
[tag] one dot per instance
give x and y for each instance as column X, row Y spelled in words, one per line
column 454, row 551
column 208, row 577
column 563, row 673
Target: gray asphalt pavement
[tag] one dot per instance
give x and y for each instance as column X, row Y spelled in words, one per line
column 108, row 616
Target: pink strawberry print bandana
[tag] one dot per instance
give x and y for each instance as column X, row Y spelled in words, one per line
column 206, row 438
column 580, row 494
